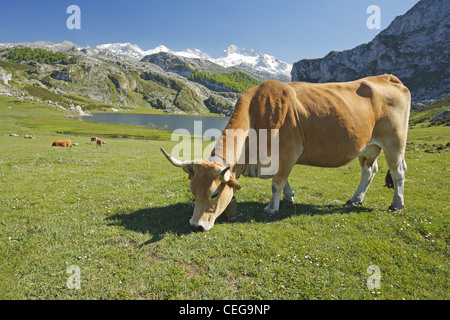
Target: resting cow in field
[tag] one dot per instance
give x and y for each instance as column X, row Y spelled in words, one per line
column 62, row 143
column 99, row 143
column 29, row 136
column 319, row 124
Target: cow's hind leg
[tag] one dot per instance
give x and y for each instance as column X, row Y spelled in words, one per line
column 369, row 167
column 397, row 167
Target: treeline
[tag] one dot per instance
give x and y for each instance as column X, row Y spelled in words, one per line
column 235, row 81
column 35, row 54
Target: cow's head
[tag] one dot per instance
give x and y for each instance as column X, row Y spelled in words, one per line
column 213, row 186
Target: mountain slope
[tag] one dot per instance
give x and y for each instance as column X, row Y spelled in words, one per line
column 414, row 47
column 122, row 75
column 98, row 81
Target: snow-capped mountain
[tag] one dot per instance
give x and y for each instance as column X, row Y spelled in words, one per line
column 135, row 52
column 193, row 54
column 245, row 57
column 233, row 56
column 129, row 50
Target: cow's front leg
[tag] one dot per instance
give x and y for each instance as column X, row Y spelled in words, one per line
column 274, row 204
column 279, row 180
column 288, row 193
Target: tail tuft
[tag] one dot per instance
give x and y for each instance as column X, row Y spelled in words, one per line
column 388, row 182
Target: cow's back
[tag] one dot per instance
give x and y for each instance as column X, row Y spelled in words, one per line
column 338, row 119
column 329, row 123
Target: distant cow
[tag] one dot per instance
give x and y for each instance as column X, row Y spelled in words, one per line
column 99, row 143
column 28, row 136
column 94, row 139
column 62, row 143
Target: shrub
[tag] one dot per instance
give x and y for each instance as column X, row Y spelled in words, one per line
column 38, row 55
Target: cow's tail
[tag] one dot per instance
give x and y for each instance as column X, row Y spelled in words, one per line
column 388, row 182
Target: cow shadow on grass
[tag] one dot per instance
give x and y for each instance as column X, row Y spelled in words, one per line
column 158, row 221
column 253, row 211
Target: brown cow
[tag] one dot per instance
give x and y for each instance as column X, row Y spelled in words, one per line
column 99, row 143
column 28, row 136
column 318, row 124
column 62, row 143
column 93, row 139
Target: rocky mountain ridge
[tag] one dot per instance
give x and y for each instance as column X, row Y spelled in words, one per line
column 415, row 47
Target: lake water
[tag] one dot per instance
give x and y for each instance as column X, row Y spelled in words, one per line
column 169, row 122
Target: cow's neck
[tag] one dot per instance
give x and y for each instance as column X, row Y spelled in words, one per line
column 229, row 149
column 229, row 153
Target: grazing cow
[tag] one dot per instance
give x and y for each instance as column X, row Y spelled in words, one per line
column 99, row 143
column 28, row 136
column 62, row 143
column 93, row 139
column 319, row 124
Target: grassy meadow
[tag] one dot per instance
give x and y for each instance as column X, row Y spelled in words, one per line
column 120, row 214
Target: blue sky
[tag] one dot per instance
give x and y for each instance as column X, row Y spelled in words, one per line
column 288, row 29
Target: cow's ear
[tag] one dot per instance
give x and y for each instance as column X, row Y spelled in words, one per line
column 189, row 170
column 233, row 183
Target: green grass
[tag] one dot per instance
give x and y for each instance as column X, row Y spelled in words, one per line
column 121, row 215
column 24, row 117
column 422, row 117
column 236, row 81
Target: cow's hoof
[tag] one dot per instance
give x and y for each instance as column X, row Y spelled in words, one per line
column 395, row 208
column 289, row 199
column 352, row 204
column 270, row 211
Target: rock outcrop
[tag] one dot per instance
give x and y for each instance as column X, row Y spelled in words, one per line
column 414, row 47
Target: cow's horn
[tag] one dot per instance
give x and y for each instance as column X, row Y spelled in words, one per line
column 175, row 161
column 225, row 175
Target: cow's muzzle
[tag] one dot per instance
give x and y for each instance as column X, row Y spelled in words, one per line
column 197, row 228
column 200, row 226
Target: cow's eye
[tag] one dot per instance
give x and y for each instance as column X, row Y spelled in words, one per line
column 215, row 195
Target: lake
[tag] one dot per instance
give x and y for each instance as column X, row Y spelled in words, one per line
column 168, row 122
